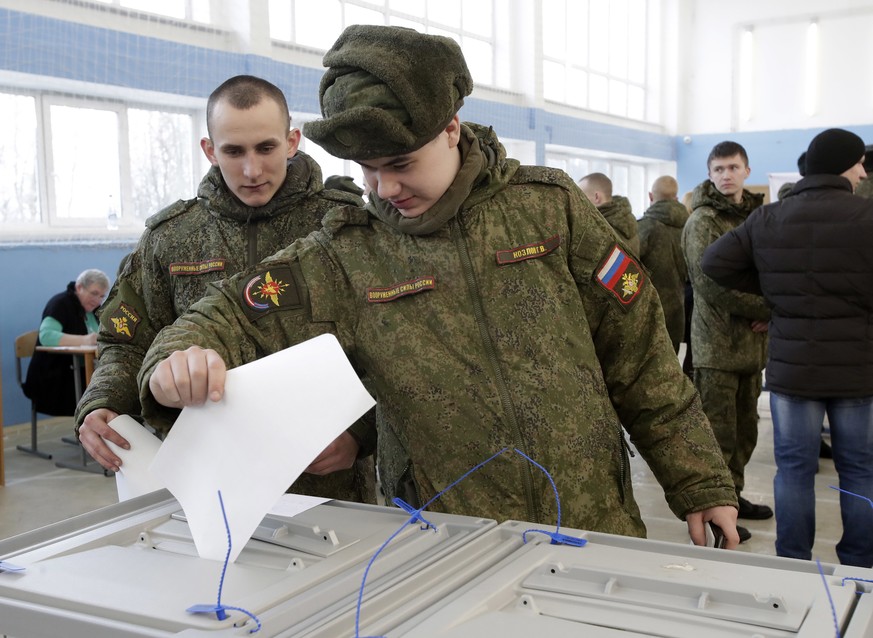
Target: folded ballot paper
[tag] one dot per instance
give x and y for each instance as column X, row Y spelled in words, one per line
column 276, row 416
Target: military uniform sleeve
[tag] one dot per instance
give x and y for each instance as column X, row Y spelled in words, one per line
column 654, row 400
column 124, row 336
column 698, row 234
column 729, row 260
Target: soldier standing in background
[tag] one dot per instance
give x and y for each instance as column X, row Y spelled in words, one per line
column 260, row 194
column 728, row 328
column 615, row 209
column 487, row 305
column 660, row 231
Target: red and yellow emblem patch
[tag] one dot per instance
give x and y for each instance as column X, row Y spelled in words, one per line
column 621, row 275
column 270, row 290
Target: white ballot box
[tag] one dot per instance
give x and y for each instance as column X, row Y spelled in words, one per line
column 619, row 587
column 131, row 570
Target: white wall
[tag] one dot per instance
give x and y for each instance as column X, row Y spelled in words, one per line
column 708, row 64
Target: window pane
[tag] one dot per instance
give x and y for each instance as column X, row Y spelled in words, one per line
column 360, row 15
column 316, row 24
column 480, row 59
column 478, row 17
column 446, row 12
column 636, row 103
column 598, row 30
column 636, row 45
column 403, row 22
column 619, row 179
column 618, row 21
column 200, row 11
column 637, row 190
column 554, row 29
column 598, row 98
column 617, row 97
column 19, row 195
column 171, row 8
column 280, row 20
column 84, row 146
column 161, row 161
column 577, row 88
column 577, row 21
column 553, row 81
column 417, row 8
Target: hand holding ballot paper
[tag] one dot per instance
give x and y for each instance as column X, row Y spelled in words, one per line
column 274, row 417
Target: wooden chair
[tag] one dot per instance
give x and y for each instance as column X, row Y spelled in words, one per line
column 25, row 345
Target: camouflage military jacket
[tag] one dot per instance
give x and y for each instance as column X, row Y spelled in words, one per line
column 505, row 316
column 721, row 334
column 183, row 249
column 660, row 232
column 619, row 215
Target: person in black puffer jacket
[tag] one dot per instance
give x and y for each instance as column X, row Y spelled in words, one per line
column 809, row 256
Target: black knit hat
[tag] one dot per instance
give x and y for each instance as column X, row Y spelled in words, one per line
column 387, row 91
column 801, row 164
column 833, row 152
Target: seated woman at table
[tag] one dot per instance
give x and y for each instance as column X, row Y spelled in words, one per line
column 68, row 320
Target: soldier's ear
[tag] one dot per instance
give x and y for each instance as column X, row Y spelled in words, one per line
column 209, row 150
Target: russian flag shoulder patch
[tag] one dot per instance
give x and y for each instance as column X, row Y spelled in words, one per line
column 621, row 275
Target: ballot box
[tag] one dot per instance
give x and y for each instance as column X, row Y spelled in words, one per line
column 131, row 569
column 619, row 587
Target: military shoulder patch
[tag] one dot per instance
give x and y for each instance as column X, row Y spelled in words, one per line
column 268, row 291
column 181, row 268
column 122, row 322
column 528, row 251
column 621, row 275
column 396, row 291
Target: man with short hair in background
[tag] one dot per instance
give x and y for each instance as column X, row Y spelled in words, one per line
column 660, row 231
column 260, row 194
column 616, row 209
column 728, row 327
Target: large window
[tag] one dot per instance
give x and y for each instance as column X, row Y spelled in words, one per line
column 596, row 55
column 85, row 163
column 316, row 24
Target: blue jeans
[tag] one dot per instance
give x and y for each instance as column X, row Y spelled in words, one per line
column 797, row 424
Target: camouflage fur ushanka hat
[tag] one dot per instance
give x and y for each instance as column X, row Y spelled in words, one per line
column 387, row 91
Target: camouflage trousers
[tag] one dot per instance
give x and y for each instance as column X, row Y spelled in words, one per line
column 730, row 401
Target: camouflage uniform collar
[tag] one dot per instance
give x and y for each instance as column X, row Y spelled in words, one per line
column 669, row 212
column 485, row 170
column 303, row 179
column 619, row 205
column 706, row 194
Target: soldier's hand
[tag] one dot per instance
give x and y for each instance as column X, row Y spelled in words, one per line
column 760, row 326
column 725, row 516
column 339, row 455
column 93, row 430
column 189, row 377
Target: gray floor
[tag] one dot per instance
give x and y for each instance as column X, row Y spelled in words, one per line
column 38, row 493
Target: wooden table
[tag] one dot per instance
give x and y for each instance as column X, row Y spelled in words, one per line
column 86, row 354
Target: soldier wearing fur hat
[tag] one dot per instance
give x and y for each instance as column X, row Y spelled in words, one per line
column 487, row 304
column 809, row 256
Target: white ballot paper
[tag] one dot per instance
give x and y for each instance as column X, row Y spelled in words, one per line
column 133, row 478
column 276, row 416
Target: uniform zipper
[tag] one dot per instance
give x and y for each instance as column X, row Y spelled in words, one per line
column 491, row 351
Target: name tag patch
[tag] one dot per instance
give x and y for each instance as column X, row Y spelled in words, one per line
column 528, row 251
column 390, row 293
column 123, row 322
column 270, row 290
column 183, row 268
column 621, row 275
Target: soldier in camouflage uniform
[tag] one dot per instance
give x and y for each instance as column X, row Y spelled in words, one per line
column 486, row 304
column 616, row 209
column 728, row 328
column 660, row 231
column 260, row 195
